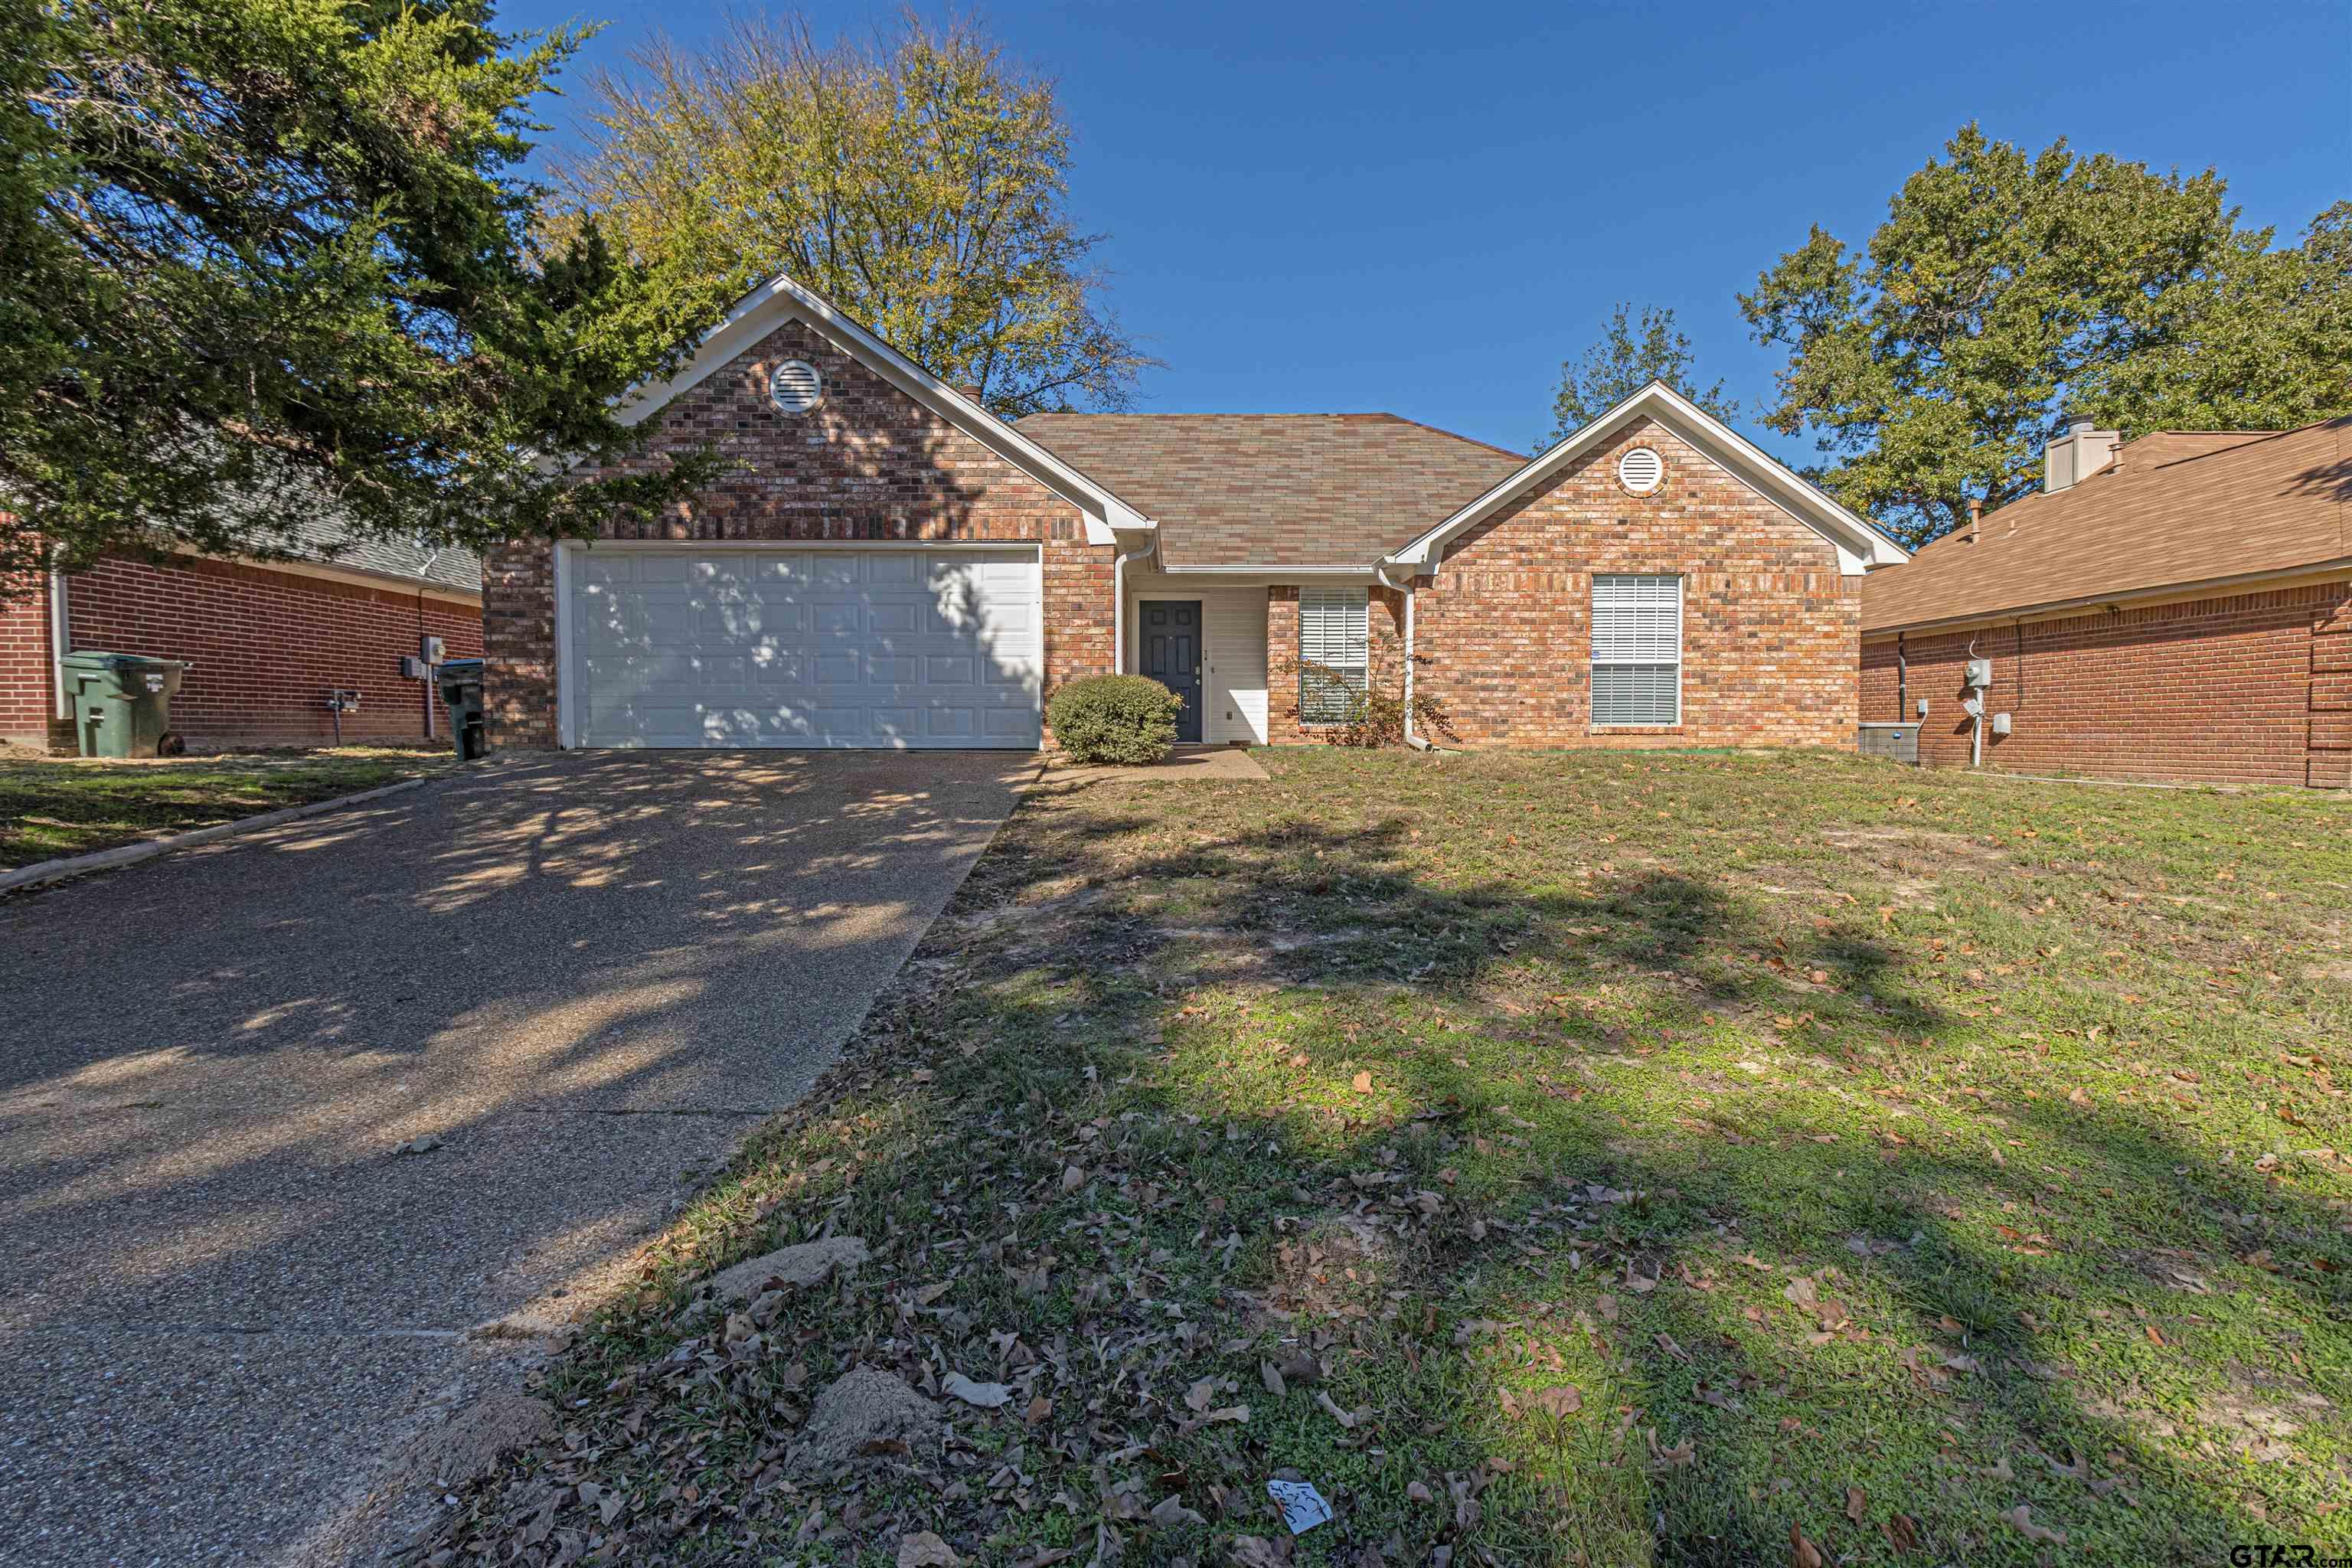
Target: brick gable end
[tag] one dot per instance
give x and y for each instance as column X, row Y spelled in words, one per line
column 1770, row 628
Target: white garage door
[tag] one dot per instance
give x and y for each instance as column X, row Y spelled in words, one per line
column 774, row 646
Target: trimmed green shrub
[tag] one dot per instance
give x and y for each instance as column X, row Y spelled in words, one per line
column 1129, row 720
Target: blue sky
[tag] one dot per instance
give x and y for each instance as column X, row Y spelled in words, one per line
column 1424, row 208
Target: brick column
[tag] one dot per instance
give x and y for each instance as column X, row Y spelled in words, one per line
column 1282, row 667
column 2328, row 764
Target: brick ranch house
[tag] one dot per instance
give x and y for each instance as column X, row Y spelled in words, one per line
column 268, row 640
column 889, row 565
column 2178, row 607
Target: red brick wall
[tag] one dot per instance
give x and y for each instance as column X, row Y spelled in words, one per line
column 1384, row 624
column 268, row 646
column 869, row 462
column 1771, row 629
column 26, row 696
column 2257, row 688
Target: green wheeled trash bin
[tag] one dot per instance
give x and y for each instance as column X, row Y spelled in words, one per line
column 461, row 693
column 123, row 703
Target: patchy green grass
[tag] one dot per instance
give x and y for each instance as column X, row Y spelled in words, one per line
column 1577, row 1158
column 52, row 808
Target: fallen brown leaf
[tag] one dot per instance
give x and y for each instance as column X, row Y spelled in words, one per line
column 925, row 1550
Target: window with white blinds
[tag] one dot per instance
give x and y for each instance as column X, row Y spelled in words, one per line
column 1637, row 650
column 1334, row 653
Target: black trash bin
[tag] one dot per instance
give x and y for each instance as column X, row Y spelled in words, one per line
column 461, row 693
column 123, row 703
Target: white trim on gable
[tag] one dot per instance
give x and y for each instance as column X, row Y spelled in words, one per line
column 1860, row 546
column 781, row 299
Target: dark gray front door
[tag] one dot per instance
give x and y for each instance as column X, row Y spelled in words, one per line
column 1171, row 655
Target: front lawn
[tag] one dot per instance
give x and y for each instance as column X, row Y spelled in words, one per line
column 49, row 809
column 1553, row 1160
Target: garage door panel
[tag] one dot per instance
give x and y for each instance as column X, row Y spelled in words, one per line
column 885, row 647
column 659, row 567
column 773, row 667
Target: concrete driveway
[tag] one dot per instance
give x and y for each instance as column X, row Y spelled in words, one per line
column 590, row 975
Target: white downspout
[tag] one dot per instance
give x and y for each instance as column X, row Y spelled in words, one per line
column 1380, row 571
column 1976, row 696
column 61, row 637
column 1118, row 605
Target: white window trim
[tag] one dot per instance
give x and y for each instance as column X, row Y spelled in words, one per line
column 1359, row 600
column 1594, row 663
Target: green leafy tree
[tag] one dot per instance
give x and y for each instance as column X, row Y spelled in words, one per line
column 264, row 257
column 2007, row 289
column 1628, row 357
column 920, row 184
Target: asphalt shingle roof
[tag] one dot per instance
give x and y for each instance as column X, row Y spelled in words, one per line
column 445, row 566
column 1277, row 490
column 2179, row 507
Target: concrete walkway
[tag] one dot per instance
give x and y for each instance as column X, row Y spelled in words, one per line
column 589, row 977
column 1185, row 765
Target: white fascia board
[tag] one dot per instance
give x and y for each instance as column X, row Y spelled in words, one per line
column 1860, row 546
column 1277, row 572
column 781, row 299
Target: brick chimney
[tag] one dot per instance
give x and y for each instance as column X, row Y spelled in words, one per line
column 2077, row 454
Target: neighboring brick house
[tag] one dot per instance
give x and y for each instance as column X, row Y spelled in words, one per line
column 888, row 565
column 268, row 641
column 2177, row 607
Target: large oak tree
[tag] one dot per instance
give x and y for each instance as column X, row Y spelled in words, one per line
column 920, row 183
column 263, row 258
column 2008, row 288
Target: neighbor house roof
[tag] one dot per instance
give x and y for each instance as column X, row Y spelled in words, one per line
column 434, row 567
column 1276, row 489
column 2178, row 508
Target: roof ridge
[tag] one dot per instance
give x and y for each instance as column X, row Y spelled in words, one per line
column 2253, row 438
column 1457, row 436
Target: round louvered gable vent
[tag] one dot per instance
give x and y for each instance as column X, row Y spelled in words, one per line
column 1641, row 470
column 796, row 386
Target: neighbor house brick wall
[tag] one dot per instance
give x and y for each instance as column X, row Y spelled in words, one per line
column 1384, row 627
column 27, row 692
column 1770, row 628
column 2252, row 689
column 868, row 463
column 268, row 646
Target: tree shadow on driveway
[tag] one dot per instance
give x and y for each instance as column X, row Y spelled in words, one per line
column 581, row 979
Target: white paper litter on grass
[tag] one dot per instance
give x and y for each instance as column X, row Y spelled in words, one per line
column 1303, row 1507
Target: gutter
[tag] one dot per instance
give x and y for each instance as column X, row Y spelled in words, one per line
column 1119, row 603
column 60, row 641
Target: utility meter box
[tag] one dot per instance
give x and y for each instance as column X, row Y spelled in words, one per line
column 1979, row 672
column 2000, row 723
column 435, row 651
